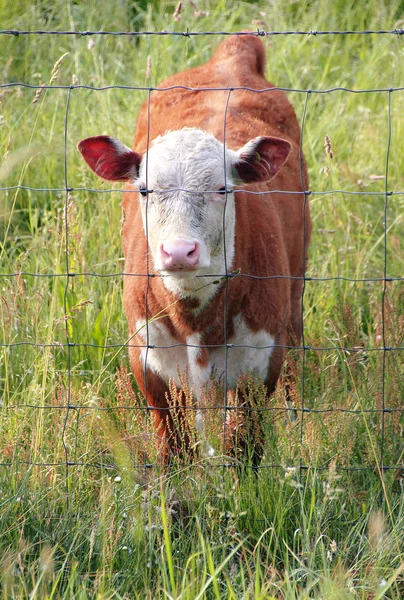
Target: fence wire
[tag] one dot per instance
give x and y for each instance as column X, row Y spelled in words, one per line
column 69, row 345
column 187, row 33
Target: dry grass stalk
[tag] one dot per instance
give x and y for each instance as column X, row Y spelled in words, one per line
column 53, row 77
column 210, row 408
column 177, row 12
column 148, row 66
column 5, row 155
column 183, row 412
column 377, row 530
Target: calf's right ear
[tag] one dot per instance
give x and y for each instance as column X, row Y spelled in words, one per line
column 261, row 158
column 109, row 158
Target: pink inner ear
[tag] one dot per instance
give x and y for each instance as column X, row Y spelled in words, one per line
column 109, row 158
column 262, row 158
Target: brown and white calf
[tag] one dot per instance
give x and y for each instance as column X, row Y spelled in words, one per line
column 199, row 159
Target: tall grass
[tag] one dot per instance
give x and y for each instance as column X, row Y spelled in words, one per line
column 108, row 526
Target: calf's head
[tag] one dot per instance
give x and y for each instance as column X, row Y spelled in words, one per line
column 185, row 183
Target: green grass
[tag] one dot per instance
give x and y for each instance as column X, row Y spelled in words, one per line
column 112, row 528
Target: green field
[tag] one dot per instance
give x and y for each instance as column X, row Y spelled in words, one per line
column 81, row 515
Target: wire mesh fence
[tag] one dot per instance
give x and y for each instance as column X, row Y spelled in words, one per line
column 70, row 349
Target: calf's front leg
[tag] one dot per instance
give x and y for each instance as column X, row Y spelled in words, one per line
column 169, row 419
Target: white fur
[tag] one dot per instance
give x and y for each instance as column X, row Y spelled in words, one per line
column 252, row 352
column 184, row 169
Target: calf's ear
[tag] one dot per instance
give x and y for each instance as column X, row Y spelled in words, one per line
column 261, row 158
column 109, row 158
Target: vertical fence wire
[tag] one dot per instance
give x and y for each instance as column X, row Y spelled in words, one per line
column 384, row 292
column 303, row 342
column 226, row 280
column 148, row 274
column 65, row 305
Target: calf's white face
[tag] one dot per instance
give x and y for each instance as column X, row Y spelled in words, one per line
column 185, row 184
column 187, row 214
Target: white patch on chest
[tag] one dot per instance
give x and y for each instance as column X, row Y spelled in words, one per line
column 249, row 351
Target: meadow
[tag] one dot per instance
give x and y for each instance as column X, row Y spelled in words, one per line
column 85, row 512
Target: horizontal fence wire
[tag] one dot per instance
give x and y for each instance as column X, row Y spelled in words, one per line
column 187, row 33
column 230, row 276
column 199, row 89
column 218, row 465
column 353, row 349
column 68, row 346
column 107, row 191
column 331, row 409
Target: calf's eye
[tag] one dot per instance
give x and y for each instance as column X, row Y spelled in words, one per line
column 221, row 191
column 143, row 190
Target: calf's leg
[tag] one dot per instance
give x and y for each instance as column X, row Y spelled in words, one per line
column 169, row 421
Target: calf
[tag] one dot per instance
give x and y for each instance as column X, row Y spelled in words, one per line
column 200, row 203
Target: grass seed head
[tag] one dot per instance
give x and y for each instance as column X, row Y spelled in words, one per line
column 328, row 146
column 56, row 68
column 38, row 93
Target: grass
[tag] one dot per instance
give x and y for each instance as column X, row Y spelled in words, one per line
column 107, row 526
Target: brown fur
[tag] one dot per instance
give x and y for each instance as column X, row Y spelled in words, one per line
column 269, row 228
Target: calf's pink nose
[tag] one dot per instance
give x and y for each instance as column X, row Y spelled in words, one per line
column 179, row 254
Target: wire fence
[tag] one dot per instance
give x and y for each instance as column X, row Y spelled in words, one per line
column 68, row 346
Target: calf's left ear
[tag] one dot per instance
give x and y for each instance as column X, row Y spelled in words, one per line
column 261, row 158
column 109, row 158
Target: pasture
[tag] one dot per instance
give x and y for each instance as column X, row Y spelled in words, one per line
column 84, row 510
